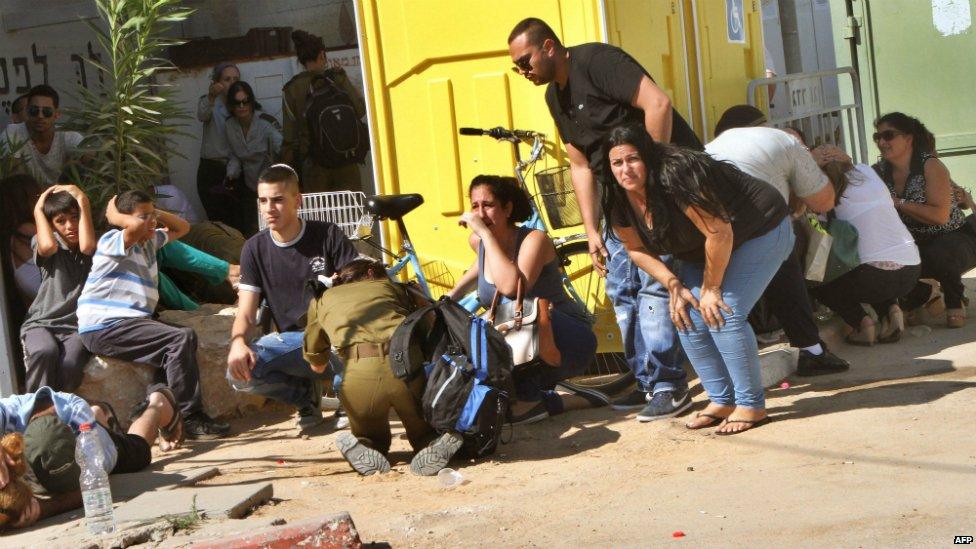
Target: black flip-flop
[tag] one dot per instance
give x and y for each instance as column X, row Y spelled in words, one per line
column 752, row 425
column 714, row 417
column 113, row 420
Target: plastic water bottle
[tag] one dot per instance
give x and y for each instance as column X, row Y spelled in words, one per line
column 95, row 489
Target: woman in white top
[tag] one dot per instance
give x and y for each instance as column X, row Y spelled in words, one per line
column 213, row 112
column 254, row 144
column 890, row 262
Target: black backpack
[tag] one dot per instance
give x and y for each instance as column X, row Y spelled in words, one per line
column 469, row 372
column 338, row 136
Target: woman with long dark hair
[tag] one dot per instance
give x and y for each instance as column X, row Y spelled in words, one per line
column 730, row 233
column 922, row 190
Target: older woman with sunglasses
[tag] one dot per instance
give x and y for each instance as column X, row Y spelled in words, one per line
column 922, row 191
column 254, row 145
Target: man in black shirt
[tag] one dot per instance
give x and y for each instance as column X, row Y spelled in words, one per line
column 276, row 264
column 593, row 88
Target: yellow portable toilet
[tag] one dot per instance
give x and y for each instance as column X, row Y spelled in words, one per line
column 433, row 66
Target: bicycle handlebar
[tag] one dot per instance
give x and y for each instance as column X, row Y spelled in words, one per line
column 500, row 133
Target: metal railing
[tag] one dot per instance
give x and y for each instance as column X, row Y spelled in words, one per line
column 841, row 124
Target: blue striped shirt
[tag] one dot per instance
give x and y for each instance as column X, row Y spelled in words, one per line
column 123, row 283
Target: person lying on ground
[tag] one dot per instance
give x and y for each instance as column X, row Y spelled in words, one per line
column 50, row 421
column 117, row 303
column 507, row 255
column 54, row 355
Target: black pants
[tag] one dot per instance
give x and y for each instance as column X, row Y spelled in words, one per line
column 133, row 450
column 879, row 288
column 787, row 298
column 945, row 258
column 54, row 359
column 211, row 190
column 172, row 349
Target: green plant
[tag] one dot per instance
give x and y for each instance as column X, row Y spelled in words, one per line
column 10, row 164
column 127, row 123
column 185, row 521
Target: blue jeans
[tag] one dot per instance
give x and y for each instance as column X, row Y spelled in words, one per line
column 281, row 373
column 651, row 347
column 577, row 345
column 727, row 358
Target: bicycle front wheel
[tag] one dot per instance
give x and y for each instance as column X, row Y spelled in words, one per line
column 608, row 372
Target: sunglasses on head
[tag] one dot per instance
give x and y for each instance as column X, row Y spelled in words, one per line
column 886, row 135
column 522, row 64
column 34, row 111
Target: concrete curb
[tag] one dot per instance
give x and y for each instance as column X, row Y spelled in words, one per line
column 332, row 532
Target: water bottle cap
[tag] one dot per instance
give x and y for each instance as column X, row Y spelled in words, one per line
column 85, row 427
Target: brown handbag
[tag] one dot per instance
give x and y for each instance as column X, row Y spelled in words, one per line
column 527, row 327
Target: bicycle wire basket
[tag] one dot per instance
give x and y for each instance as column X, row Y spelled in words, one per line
column 344, row 208
column 558, row 198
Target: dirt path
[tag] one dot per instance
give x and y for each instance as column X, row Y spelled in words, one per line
column 884, row 455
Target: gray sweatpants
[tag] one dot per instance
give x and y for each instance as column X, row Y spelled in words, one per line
column 172, row 349
column 54, row 359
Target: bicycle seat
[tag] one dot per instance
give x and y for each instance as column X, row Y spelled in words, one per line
column 393, row 206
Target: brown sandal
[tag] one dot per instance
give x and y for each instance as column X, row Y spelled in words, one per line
column 752, row 424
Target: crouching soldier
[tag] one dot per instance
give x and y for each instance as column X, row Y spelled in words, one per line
column 358, row 317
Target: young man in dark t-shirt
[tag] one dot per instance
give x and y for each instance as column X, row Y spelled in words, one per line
column 593, row 88
column 276, row 264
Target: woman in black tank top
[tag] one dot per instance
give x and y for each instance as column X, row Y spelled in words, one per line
column 730, row 233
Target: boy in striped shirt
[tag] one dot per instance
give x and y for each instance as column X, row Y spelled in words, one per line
column 116, row 306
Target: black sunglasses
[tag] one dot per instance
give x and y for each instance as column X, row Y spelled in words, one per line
column 34, row 111
column 886, row 135
column 522, row 64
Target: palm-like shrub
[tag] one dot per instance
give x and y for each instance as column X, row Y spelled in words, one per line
column 128, row 122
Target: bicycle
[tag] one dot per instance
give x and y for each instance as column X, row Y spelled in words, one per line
column 356, row 215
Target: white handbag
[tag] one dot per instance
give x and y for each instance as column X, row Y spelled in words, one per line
column 527, row 327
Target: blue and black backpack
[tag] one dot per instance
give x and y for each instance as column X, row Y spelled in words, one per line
column 468, row 367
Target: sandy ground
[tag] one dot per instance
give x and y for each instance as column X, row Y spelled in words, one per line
column 883, row 455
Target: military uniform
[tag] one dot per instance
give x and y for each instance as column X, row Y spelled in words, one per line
column 315, row 178
column 359, row 319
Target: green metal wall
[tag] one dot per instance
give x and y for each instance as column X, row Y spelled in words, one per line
column 918, row 57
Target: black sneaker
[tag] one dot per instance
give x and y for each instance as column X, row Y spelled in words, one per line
column 665, row 404
column 631, row 401
column 596, row 398
column 533, row 415
column 810, row 364
column 365, row 460
column 200, row 426
column 435, row 456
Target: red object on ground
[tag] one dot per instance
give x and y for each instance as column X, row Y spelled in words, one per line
column 330, row 532
column 784, row 385
column 281, row 462
column 678, row 534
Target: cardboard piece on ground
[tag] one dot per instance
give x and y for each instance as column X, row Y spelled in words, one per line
column 776, row 363
column 129, row 485
column 215, row 502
